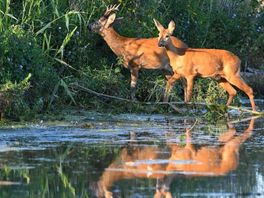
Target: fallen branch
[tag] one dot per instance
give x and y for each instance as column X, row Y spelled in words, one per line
column 171, row 104
column 128, row 100
column 246, row 110
column 101, row 94
column 175, row 108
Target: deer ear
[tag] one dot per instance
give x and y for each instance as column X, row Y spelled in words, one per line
column 119, row 20
column 158, row 25
column 171, row 27
column 110, row 20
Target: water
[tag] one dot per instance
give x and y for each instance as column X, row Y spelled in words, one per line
column 133, row 156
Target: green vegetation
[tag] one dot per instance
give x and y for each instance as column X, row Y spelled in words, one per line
column 49, row 40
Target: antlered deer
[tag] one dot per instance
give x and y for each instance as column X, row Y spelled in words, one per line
column 136, row 53
column 188, row 63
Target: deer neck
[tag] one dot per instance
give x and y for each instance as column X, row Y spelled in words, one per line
column 114, row 40
column 172, row 51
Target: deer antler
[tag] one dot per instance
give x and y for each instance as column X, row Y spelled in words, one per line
column 111, row 8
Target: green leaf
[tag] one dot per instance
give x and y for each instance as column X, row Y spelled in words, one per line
column 65, row 42
column 44, row 28
column 11, row 16
column 117, row 70
column 66, row 64
column 67, row 21
column 67, row 90
column 54, row 93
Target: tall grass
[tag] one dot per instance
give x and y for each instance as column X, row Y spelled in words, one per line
column 42, row 18
column 59, row 27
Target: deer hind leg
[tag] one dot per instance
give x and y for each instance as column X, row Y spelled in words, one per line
column 169, row 85
column 229, row 89
column 190, row 82
column 133, row 82
column 239, row 83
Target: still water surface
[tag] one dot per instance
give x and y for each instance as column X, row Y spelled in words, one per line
column 134, row 156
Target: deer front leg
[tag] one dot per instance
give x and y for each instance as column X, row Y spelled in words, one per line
column 169, row 85
column 190, row 81
column 184, row 84
column 168, row 72
column 133, row 82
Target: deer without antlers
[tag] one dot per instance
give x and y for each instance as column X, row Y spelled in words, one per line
column 136, row 53
column 188, row 63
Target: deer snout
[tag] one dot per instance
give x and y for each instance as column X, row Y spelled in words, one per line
column 161, row 43
column 89, row 27
column 94, row 27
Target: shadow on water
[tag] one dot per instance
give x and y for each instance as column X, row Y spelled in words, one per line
column 148, row 157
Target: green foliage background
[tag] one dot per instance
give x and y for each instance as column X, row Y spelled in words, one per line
column 50, row 41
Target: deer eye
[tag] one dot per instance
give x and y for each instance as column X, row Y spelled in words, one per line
column 167, row 36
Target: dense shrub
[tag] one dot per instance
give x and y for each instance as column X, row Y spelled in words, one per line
column 20, row 55
column 12, row 102
column 50, row 40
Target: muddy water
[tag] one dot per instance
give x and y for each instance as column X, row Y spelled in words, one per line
column 133, row 156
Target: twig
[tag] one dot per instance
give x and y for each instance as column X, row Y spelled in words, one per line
column 127, row 100
column 175, row 108
column 171, row 104
column 246, row 110
column 101, row 94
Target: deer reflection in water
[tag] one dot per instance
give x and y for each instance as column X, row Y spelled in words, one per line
column 165, row 164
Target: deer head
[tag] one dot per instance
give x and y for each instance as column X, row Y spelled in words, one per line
column 164, row 34
column 105, row 21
